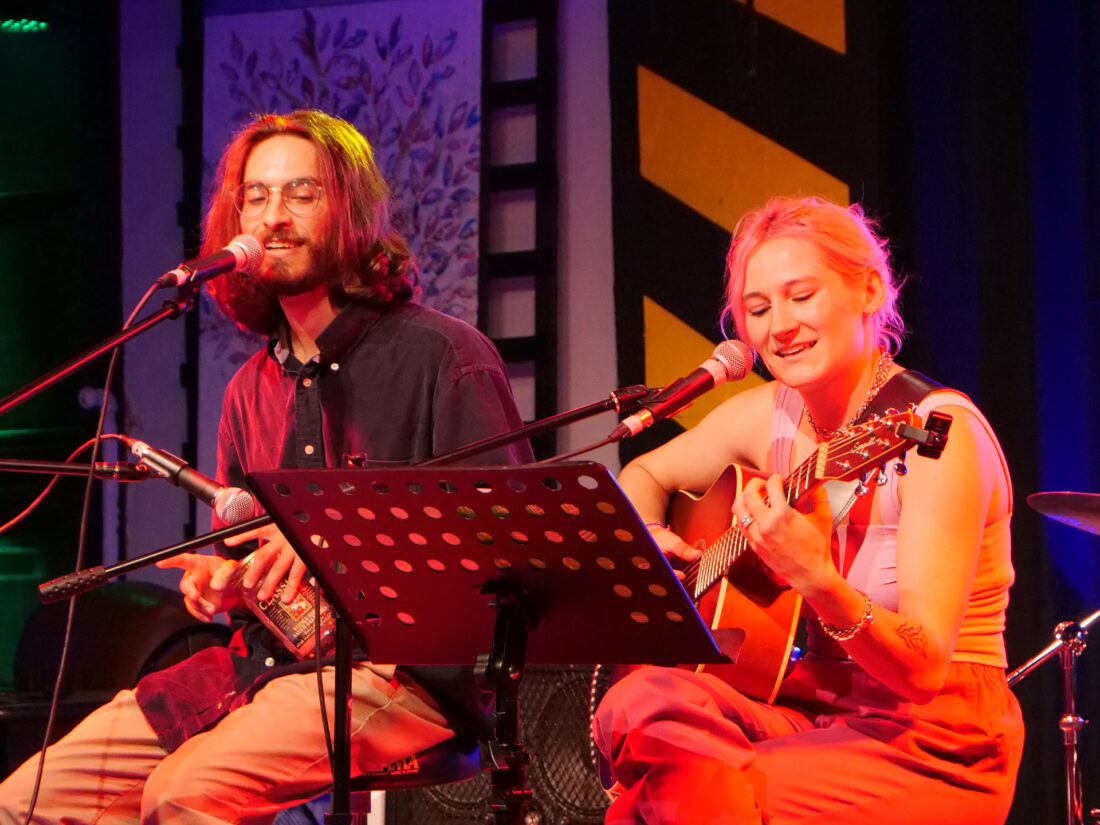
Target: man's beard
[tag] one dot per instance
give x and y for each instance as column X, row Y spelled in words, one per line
column 283, row 278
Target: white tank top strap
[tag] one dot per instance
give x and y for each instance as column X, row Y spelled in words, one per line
column 785, row 418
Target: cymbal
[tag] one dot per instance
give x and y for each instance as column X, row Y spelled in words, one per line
column 1080, row 510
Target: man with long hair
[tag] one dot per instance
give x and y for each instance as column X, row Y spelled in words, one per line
column 352, row 367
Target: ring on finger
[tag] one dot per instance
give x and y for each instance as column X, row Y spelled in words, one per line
column 746, row 520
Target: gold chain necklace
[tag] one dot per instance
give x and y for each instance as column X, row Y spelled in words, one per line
column 882, row 369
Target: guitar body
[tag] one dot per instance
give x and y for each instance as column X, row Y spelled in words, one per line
column 752, row 619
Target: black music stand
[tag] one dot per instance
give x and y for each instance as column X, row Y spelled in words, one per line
column 542, row 564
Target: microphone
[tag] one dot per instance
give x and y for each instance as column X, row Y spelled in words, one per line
column 232, row 504
column 730, row 361
column 243, row 254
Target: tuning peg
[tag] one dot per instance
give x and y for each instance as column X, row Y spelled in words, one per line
column 861, row 487
column 900, row 467
column 881, row 478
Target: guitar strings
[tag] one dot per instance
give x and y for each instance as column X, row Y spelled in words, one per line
column 701, row 574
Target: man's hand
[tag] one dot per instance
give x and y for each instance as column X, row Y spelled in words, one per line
column 204, row 583
column 273, row 562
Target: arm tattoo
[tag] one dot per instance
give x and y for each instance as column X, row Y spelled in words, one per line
column 914, row 638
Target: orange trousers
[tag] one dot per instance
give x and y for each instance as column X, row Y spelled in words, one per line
column 836, row 748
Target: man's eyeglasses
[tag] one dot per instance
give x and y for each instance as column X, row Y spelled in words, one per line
column 300, row 197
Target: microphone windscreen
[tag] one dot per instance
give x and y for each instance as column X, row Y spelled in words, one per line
column 253, row 253
column 736, row 357
column 234, row 505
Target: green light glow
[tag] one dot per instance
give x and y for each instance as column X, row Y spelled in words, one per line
column 23, row 26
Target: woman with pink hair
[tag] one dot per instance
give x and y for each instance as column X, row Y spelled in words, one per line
column 899, row 711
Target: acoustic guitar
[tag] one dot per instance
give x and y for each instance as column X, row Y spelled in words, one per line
column 752, row 618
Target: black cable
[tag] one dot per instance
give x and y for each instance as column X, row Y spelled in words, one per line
column 81, row 544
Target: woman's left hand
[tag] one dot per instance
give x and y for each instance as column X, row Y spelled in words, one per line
column 794, row 545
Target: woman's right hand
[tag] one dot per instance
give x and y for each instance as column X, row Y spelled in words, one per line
column 202, row 595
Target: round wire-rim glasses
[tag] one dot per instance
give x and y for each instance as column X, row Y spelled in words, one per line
column 300, row 197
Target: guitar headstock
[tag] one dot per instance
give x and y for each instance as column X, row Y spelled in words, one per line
column 860, row 449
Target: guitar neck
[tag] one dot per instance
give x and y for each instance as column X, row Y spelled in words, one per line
column 724, row 551
column 853, row 453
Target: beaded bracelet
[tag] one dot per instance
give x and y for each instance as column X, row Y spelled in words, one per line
column 650, row 524
column 843, row 634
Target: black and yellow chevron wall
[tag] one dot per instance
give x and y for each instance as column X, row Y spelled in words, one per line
column 716, row 106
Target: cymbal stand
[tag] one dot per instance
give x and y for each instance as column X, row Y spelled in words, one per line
column 1069, row 643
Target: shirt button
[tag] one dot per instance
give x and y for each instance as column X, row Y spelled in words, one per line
column 334, row 367
column 307, row 382
column 269, row 661
column 309, row 449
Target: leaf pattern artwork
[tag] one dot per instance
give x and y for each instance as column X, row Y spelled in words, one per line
column 400, row 90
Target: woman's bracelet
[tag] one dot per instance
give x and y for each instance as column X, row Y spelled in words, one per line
column 844, row 634
column 652, row 524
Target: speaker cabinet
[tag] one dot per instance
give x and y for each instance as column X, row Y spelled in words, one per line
column 554, row 731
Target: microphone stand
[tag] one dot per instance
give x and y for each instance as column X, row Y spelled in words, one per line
column 1069, row 643
column 113, row 470
column 172, row 308
column 72, row 584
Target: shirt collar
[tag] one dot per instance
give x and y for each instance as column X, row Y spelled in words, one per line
column 350, row 324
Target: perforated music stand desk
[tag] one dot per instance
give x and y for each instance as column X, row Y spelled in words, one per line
column 496, row 567
column 416, row 558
